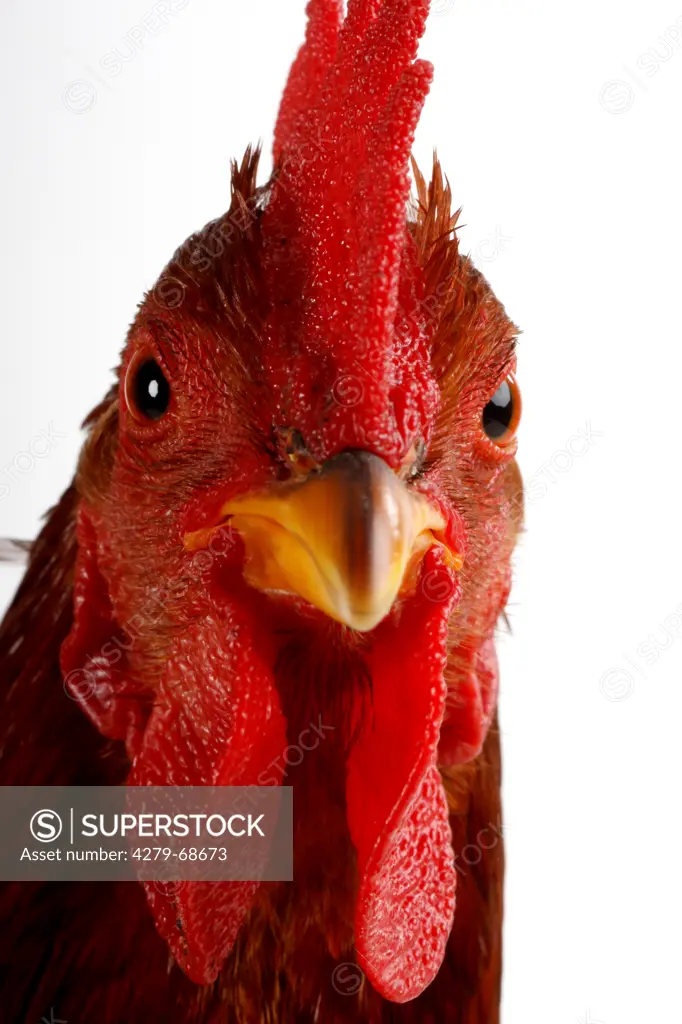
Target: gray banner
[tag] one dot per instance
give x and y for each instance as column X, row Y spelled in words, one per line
column 147, row 833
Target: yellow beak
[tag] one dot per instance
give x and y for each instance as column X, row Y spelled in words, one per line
column 346, row 539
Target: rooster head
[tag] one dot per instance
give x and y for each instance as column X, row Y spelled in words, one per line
column 297, row 511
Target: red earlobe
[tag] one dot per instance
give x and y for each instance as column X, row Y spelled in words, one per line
column 471, row 705
column 94, row 659
column 473, row 684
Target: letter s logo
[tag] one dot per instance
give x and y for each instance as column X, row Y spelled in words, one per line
column 46, row 826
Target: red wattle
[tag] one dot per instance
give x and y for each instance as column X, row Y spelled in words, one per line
column 217, row 722
column 397, row 809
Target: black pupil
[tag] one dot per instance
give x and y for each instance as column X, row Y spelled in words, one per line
column 499, row 412
column 152, row 393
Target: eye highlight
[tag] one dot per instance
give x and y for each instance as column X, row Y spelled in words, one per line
column 501, row 415
column 147, row 391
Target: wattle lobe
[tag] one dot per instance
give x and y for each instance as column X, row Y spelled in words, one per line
column 217, row 722
column 397, row 808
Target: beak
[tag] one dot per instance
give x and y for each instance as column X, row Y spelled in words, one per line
column 345, row 540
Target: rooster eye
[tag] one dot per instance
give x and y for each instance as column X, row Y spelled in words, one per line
column 502, row 413
column 147, row 390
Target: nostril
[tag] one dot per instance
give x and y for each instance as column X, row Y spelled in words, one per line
column 412, row 465
column 294, row 453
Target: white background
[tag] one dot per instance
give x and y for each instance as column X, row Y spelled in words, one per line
column 571, row 192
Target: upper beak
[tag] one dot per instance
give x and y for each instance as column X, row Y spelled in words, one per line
column 344, row 539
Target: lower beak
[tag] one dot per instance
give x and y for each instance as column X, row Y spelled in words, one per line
column 344, row 540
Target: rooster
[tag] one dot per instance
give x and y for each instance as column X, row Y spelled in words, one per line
column 293, row 515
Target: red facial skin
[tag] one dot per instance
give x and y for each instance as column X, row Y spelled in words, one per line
column 323, row 313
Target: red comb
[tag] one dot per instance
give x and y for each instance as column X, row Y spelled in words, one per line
column 340, row 257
